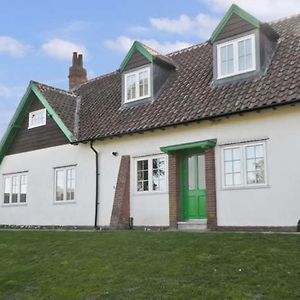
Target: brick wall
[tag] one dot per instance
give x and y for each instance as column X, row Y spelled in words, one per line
column 174, row 189
column 211, row 202
column 121, row 207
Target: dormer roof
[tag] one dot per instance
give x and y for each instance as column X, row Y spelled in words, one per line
column 235, row 11
column 149, row 54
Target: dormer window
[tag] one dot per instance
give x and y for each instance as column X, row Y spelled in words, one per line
column 37, row 118
column 137, row 85
column 236, row 56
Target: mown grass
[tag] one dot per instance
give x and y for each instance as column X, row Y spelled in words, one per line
column 148, row 265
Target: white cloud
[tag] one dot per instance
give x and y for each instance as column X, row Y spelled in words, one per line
column 201, row 25
column 265, row 10
column 76, row 26
column 12, row 47
column 123, row 44
column 8, row 92
column 62, row 49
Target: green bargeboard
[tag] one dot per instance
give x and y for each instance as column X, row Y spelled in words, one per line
column 193, row 186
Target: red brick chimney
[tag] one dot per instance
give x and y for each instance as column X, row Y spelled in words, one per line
column 77, row 73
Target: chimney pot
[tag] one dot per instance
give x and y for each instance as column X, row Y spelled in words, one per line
column 77, row 74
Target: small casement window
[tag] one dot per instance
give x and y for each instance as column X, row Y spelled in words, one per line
column 151, row 174
column 244, row 165
column 65, row 179
column 236, row 56
column 15, row 188
column 137, row 85
column 37, row 118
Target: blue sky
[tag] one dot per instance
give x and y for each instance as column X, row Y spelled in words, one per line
column 37, row 37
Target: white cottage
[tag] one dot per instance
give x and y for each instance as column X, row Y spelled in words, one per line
column 205, row 137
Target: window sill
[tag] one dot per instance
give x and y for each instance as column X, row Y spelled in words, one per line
column 136, row 99
column 235, row 74
column 253, row 187
column 64, row 202
column 14, row 204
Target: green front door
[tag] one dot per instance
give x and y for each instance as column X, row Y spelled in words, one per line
column 193, row 186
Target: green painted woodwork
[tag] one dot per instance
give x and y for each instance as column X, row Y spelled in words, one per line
column 193, row 190
column 137, row 46
column 201, row 145
column 21, row 114
column 53, row 114
column 234, row 9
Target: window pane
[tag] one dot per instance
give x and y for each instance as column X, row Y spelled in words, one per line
column 7, row 189
column 251, row 165
column 228, row 179
column 226, row 56
column 236, row 153
column 192, row 173
column 250, row 152
column 201, row 173
column 260, row 177
column 158, row 174
column 232, row 166
column 228, row 167
column 37, row 118
column 228, row 154
column 237, row 178
column 15, row 189
column 259, row 151
column 131, row 87
column 60, row 184
column 255, row 164
column 251, row 177
column 70, row 184
column 142, row 175
column 245, row 54
column 236, row 166
column 143, row 83
column 23, row 188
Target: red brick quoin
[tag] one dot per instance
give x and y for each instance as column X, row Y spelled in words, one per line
column 121, row 207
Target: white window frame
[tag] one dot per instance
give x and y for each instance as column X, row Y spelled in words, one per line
column 243, row 165
column 18, row 175
column 236, row 56
column 137, row 86
column 150, row 174
column 30, row 125
column 65, row 169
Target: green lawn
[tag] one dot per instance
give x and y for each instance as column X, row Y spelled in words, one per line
column 148, row 265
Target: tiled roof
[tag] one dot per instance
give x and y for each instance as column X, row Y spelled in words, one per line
column 64, row 103
column 188, row 95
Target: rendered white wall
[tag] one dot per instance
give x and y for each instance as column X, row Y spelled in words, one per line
column 41, row 208
column 278, row 204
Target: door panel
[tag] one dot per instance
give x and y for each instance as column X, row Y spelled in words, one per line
column 193, row 187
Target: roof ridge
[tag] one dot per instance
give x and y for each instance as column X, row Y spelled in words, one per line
column 96, row 78
column 54, row 88
column 283, row 18
column 187, row 49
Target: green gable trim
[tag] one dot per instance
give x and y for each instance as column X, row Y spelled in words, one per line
column 21, row 114
column 53, row 114
column 137, row 46
column 202, row 145
column 234, row 9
